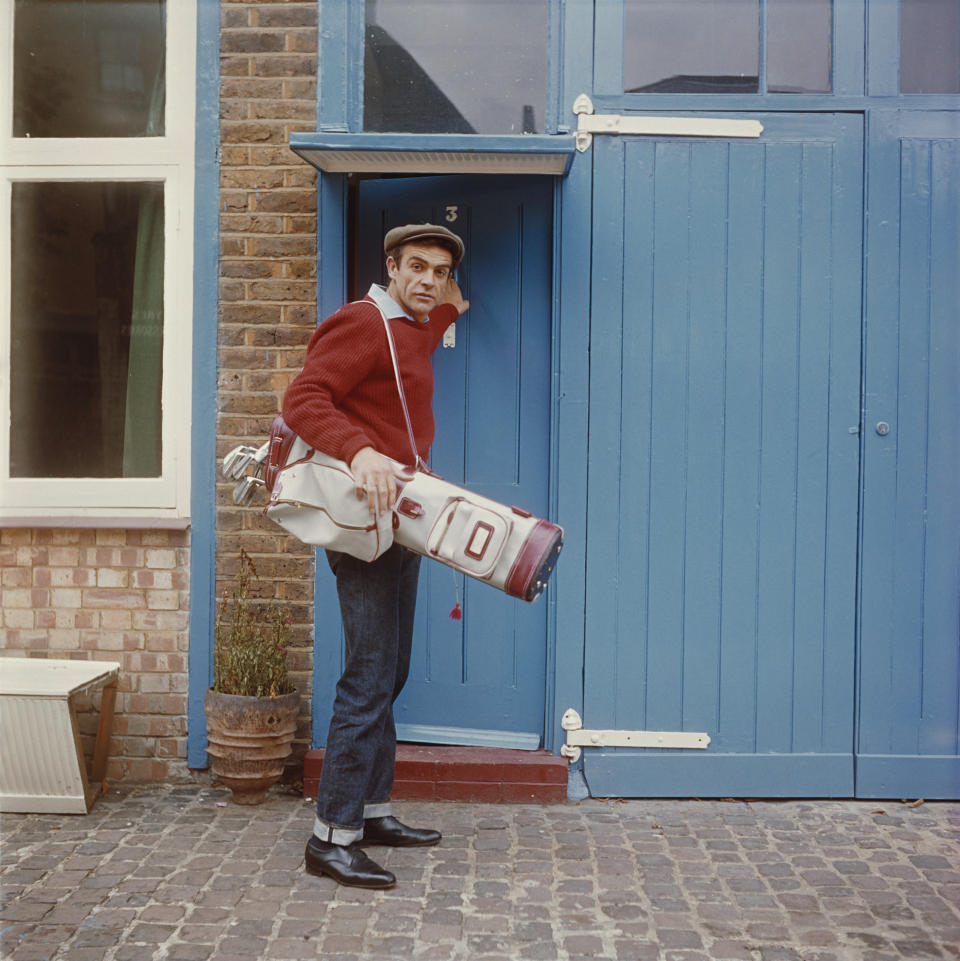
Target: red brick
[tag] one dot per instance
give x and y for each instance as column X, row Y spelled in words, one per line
column 285, row 65
column 302, row 41
column 273, row 290
column 482, row 792
column 146, row 769
column 251, row 223
column 45, row 618
column 161, row 643
column 301, row 110
column 244, row 41
column 283, row 246
column 288, row 15
column 232, row 131
column 426, row 773
column 249, row 269
column 302, row 88
column 235, row 65
column 411, row 790
column 303, row 224
column 23, row 577
column 251, row 88
column 114, row 598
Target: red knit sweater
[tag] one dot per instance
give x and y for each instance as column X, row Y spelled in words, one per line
column 346, row 398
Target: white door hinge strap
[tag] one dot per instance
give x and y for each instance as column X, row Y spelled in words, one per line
column 589, row 123
column 578, row 738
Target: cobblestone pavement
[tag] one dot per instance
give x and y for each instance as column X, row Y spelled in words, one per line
column 175, row 873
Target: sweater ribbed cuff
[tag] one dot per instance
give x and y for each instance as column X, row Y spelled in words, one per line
column 448, row 308
column 354, row 444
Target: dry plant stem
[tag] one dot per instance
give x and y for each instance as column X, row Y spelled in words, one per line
column 250, row 653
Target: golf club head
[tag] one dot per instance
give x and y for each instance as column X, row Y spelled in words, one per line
column 237, row 461
column 245, row 490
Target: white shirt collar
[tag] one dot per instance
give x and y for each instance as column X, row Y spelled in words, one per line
column 386, row 303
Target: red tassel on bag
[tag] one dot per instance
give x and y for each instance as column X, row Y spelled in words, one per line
column 457, row 613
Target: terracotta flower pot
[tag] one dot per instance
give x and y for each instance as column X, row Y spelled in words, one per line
column 249, row 740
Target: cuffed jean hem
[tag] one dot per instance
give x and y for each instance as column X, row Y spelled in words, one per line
column 344, row 836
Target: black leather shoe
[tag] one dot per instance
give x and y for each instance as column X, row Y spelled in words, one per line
column 390, row 831
column 346, row 865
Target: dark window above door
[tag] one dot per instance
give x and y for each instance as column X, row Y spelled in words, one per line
column 727, row 46
column 930, row 46
column 455, row 66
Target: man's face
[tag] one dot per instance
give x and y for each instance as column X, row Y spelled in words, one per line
column 420, row 279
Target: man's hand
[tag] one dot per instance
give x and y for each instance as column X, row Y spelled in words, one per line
column 376, row 480
column 452, row 295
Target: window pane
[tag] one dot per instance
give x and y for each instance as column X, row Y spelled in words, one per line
column 455, row 66
column 87, row 329
column 798, row 46
column 691, row 46
column 930, row 46
column 88, row 68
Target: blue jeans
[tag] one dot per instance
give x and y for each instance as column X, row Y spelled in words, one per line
column 377, row 602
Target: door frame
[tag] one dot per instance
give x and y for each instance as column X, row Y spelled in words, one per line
column 333, row 235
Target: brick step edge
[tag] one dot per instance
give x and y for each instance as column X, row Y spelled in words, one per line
column 480, row 774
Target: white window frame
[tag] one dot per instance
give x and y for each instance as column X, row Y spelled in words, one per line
column 170, row 160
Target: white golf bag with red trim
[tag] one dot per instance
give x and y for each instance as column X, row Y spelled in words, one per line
column 313, row 496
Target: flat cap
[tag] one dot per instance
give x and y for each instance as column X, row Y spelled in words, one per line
column 410, row 233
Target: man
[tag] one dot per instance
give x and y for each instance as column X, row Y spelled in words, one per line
column 345, row 403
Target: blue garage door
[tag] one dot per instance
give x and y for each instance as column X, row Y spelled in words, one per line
column 724, row 458
column 908, row 738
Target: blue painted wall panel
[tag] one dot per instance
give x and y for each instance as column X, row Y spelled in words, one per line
column 203, row 401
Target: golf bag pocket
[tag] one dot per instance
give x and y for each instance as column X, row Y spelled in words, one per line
column 469, row 537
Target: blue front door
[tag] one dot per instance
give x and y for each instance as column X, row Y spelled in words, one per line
column 480, row 679
column 724, row 458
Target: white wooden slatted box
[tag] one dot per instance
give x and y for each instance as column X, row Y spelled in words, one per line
column 42, row 768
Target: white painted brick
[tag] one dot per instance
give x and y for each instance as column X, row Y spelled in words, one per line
column 18, row 617
column 154, row 683
column 16, row 597
column 110, row 577
column 65, row 597
column 163, row 558
column 163, row 600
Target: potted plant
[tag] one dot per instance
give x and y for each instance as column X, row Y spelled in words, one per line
column 253, row 705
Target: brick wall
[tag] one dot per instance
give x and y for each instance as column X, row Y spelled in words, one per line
column 113, row 595
column 267, row 281
column 123, row 594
